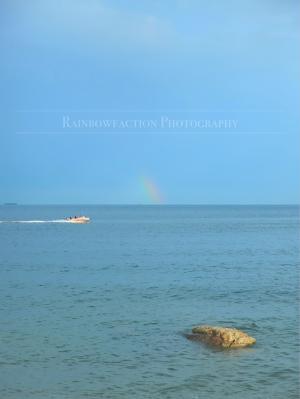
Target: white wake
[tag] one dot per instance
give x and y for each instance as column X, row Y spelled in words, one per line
column 35, row 221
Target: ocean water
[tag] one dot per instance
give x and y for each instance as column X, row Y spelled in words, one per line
column 99, row 310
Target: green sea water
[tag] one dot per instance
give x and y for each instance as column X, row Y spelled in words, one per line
column 99, row 310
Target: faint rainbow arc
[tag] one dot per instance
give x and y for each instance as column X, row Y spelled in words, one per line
column 152, row 190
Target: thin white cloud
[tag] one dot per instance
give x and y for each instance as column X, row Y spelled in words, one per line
column 87, row 22
column 189, row 24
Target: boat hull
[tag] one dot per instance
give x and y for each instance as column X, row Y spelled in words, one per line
column 78, row 220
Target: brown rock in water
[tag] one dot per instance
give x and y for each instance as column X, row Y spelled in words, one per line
column 221, row 336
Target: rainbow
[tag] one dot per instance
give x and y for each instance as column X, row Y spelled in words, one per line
column 152, row 191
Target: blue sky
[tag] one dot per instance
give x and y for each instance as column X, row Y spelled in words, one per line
column 185, row 59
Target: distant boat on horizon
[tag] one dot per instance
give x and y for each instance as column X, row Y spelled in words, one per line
column 10, row 203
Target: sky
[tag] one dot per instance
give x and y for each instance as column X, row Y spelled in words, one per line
column 218, row 82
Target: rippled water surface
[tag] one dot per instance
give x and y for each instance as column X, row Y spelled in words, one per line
column 98, row 310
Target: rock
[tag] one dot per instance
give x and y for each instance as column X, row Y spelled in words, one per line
column 221, row 336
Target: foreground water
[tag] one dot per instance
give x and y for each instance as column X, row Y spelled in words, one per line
column 98, row 310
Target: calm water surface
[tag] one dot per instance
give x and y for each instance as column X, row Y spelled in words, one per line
column 98, row 310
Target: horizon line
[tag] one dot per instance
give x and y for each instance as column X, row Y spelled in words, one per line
column 148, row 204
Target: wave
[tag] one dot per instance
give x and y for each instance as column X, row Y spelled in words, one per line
column 35, row 221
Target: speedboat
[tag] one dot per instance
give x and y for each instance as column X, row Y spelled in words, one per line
column 78, row 219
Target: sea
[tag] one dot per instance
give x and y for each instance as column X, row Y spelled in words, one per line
column 100, row 310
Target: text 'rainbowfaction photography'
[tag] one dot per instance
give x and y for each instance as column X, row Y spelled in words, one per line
column 149, row 201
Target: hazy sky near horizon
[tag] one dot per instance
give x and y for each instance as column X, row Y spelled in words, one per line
column 181, row 59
